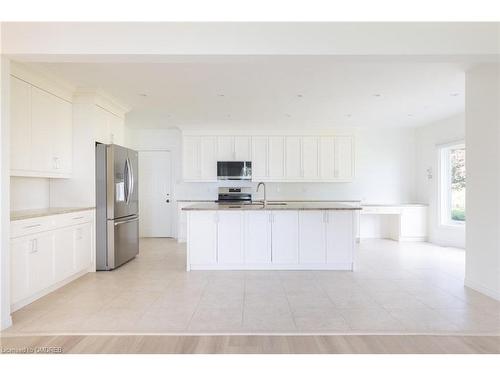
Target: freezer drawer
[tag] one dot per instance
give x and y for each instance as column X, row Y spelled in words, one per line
column 123, row 241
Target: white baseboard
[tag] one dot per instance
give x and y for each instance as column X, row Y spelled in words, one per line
column 495, row 294
column 32, row 298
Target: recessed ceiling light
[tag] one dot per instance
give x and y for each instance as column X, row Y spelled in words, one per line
column 143, row 95
column 410, row 115
column 220, row 95
column 348, row 115
column 288, row 115
column 377, row 95
column 228, row 115
column 455, row 94
column 299, row 95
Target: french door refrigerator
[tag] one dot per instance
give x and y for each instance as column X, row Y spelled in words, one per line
column 117, row 206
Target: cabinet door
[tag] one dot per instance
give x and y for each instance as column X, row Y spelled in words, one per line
column 64, row 253
column 293, row 159
column 41, row 263
column 312, row 237
column 242, row 148
column 62, row 136
column 259, row 158
column 225, row 148
column 276, row 153
column 102, row 125
column 42, row 122
column 191, row 158
column 327, row 158
column 340, row 237
column 83, row 246
column 310, row 170
column 19, row 282
column 285, row 249
column 116, row 129
column 208, row 159
column 229, row 237
column 258, row 237
column 344, row 168
column 202, row 237
column 20, row 129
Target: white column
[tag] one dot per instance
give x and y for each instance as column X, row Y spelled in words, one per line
column 482, row 135
column 6, row 320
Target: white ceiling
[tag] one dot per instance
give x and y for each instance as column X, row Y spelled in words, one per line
column 291, row 92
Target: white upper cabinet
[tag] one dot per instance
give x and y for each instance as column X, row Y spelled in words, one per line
column 310, row 158
column 344, row 159
column 199, row 159
column 41, row 132
column 293, row 158
column 225, row 148
column 275, row 158
column 208, row 161
column 242, row 148
column 327, row 158
column 259, row 158
column 20, row 113
column 235, row 148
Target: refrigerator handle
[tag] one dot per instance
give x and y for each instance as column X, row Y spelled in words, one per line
column 127, row 180
column 131, row 180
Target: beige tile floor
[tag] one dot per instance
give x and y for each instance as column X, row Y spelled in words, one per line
column 396, row 288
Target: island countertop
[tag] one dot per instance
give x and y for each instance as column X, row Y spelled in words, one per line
column 256, row 206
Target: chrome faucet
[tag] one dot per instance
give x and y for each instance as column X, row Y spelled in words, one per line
column 258, row 186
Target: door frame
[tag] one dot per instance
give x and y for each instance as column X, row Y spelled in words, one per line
column 173, row 194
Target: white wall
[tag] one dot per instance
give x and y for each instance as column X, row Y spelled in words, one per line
column 385, row 163
column 29, row 193
column 427, row 138
column 482, row 131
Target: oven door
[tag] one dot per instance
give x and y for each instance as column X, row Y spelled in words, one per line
column 234, row 170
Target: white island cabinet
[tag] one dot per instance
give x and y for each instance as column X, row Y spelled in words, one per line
column 294, row 236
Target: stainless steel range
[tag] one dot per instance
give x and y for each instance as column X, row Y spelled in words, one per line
column 231, row 195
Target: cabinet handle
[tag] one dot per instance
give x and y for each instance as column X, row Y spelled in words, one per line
column 34, row 246
column 78, row 217
column 32, row 226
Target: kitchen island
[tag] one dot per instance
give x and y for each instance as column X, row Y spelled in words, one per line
column 275, row 236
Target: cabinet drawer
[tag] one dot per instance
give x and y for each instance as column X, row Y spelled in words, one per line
column 25, row 227
column 73, row 218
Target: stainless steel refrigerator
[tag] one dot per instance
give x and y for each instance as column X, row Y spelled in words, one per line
column 117, row 211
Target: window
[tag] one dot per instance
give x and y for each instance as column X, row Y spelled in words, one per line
column 452, row 184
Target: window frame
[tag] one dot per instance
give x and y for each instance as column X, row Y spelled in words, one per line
column 444, row 185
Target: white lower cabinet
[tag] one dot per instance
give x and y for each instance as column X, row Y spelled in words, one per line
column 312, row 237
column 279, row 239
column 258, row 237
column 340, row 238
column 285, row 234
column 43, row 261
column 82, row 243
column 229, row 237
column 202, row 234
column 64, row 254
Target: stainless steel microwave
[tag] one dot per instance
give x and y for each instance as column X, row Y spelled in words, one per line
column 234, row 170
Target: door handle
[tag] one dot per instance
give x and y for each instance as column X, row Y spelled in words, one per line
column 126, row 221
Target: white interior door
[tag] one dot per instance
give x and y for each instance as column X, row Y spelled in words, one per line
column 155, row 198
